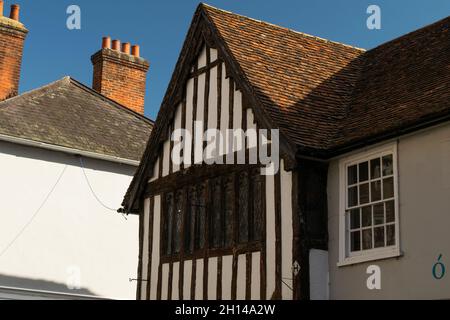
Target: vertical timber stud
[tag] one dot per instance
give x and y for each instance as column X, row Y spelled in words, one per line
column 263, row 261
column 194, row 112
column 297, row 243
column 248, row 264
column 278, row 254
column 184, row 209
column 193, row 277
column 246, row 141
column 183, row 127
column 161, row 244
column 248, row 277
column 219, row 278
column 206, row 100
column 230, row 112
column 235, row 236
column 160, row 162
column 219, row 95
column 209, row 206
column 141, row 249
column 172, row 248
column 150, row 245
column 171, row 129
column 223, row 186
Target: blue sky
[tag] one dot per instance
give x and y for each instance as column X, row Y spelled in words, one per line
column 52, row 51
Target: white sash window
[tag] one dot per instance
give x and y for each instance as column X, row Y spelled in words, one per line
column 369, row 206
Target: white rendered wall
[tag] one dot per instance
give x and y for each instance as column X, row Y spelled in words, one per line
column 73, row 231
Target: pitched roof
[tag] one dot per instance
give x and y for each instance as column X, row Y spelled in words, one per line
column 403, row 85
column 68, row 114
column 325, row 97
column 302, row 82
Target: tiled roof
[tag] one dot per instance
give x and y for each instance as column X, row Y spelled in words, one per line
column 324, row 95
column 403, row 83
column 68, row 114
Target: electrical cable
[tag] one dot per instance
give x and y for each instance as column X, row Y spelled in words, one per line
column 93, row 192
column 33, row 217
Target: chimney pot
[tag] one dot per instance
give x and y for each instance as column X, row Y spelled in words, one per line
column 116, row 45
column 106, row 43
column 119, row 77
column 1, row 8
column 14, row 15
column 126, row 48
column 135, row 51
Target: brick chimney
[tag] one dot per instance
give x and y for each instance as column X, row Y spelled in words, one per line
column 120, row 74
column 12, row 38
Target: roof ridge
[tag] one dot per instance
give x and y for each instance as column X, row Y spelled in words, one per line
column 403, row 36
column 66, row 80
column 207, row 6
column 42, row 89
column 113, row 102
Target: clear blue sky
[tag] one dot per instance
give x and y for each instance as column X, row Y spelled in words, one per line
column 52, row 51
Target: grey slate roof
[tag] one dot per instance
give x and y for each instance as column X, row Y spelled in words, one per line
column 68, row 114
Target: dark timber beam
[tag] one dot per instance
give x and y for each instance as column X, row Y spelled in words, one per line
column 309, row 197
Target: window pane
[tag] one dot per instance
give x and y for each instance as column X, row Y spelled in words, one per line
column 355, row 241
column 228, row 203
column 178, row 216
column 168, row 223
column 390, row 211
column 364, row 193
column 257, row 197
column 366, row 216
column 216, row 228
column 200, row 218
column 363, row 171
column 379, row 237
column 352, row 196
column 352, row 175
column 375, row 190
column 243, row 207
column 388, row 167
column 375, row 168
column 190, row 221
column 367, row 239
column 390, row 235
column 378, row 214
column 388, row 188
column 355, row 219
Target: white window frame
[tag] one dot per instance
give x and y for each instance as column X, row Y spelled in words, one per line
column 345, row 258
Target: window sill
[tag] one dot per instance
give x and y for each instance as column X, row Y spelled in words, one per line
column 373, row 256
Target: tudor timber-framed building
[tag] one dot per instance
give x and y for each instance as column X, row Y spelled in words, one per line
column 228, row 232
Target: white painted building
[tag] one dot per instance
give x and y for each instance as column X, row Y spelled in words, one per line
column 67, row 155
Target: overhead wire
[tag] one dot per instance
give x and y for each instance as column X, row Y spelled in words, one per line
column 35, row 214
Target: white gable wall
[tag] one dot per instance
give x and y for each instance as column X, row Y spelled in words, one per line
column 235, row 118
column 72, row 232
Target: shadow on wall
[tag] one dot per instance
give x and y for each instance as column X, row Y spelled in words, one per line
column 35, row 153
column 40, row 285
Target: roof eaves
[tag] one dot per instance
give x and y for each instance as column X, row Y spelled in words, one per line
column 73, row 151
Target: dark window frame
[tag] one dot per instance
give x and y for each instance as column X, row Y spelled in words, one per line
column 222, row 245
